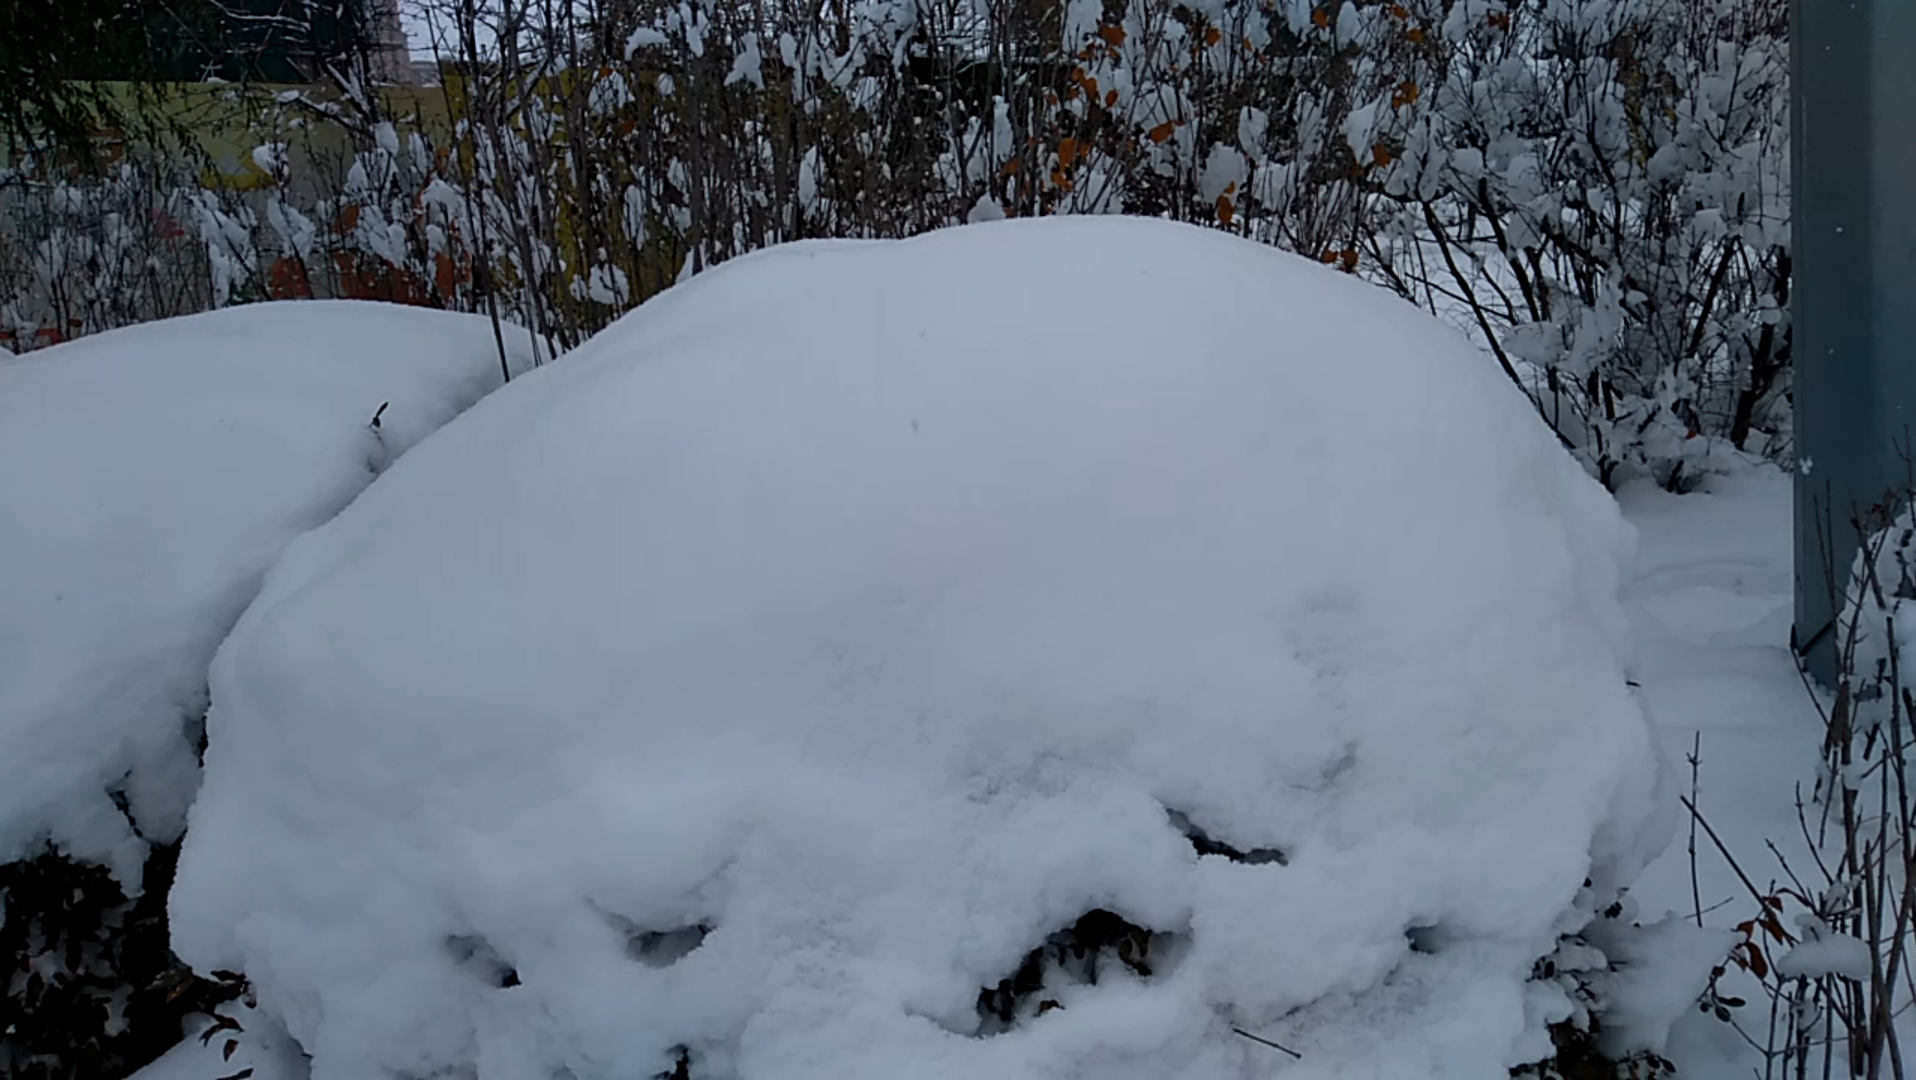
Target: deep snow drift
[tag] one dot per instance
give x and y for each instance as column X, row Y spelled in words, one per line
column 782, row 668
column 149, row 476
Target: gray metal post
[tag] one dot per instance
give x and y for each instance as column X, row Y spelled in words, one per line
column 1853, row 204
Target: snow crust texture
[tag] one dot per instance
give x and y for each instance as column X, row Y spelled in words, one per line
column 148, row 477
column 761, row 685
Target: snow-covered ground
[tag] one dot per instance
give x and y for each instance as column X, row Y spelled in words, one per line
column 1709, row 605
column 1710, row 609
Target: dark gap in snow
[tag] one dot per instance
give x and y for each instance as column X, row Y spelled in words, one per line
column 681, row 1066
column 656, row 948
column 1099, row 943
column 195, row 723
column 476, row 955
column 663, row 948
column 1203, row 844
column 117, row 792
column 1429, row 940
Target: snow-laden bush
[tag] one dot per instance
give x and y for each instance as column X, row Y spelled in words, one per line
column 1602, row 191
column 1597, row 190
column 92, row 986
column 149, row 476
column 1060, row 648
column 1825, row 943
column 1831, row 948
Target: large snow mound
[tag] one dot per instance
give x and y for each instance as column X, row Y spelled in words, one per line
column 782, row 668
column 149, row 476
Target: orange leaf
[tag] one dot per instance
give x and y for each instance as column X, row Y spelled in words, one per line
column 1010, row 169
column 1224, row 209
column 1060, row 180
column 1321, row 18
column 1110, row 99
column 1327, row 258
column 1350, row 261
column 1161, row 132
column 1416, row 35
column 1406, row 92
column 1398, row 11
column 1067, row 153
column 1112, row 35
column 1500, row 20
column 1213, row 36
column 1380, row 155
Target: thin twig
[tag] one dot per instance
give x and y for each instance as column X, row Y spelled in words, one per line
column 1266, row 1042
column 1696, row 890
column 1755, row 893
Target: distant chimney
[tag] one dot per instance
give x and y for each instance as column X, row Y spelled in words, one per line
column 390, row 56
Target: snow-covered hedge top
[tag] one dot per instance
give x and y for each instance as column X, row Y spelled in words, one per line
column 148, row 477
column 863, row 614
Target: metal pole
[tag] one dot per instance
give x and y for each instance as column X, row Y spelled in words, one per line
column 1853, row 204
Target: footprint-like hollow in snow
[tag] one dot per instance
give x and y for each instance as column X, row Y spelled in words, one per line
column 657, row 948
column 663, row 948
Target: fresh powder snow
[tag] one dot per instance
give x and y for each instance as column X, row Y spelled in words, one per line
column 1710, row 603
column 766, row 687
column 150, row 476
